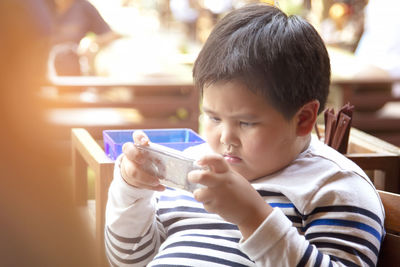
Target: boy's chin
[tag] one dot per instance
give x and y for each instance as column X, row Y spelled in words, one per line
column 247, row 174
column 250, row 175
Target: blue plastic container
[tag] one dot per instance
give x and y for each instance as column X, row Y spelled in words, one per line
column 178, row 139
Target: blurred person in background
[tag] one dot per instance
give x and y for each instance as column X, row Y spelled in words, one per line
column 73, row 20
column 218, row 7
column 379, row 45
column 341, row 23
column 187, row 12
column 40, row 224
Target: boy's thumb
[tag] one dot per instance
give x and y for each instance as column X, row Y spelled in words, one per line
column 140, row 138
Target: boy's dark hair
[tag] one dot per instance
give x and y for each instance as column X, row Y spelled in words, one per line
column 280, row 57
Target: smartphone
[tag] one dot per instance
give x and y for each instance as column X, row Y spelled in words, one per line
column 169, row 165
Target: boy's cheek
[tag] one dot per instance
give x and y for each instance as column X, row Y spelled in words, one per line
column 212, row 137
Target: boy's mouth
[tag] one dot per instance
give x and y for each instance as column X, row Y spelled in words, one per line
column 232, row 159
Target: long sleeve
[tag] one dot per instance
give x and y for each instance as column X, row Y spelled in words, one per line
column 275, row 243
column 333, row 236
column 335, row 220
column 132, row 232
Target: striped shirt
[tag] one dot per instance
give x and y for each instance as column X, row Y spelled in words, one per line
column 326, row 213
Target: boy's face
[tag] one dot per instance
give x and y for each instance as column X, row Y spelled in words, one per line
column 254, row 138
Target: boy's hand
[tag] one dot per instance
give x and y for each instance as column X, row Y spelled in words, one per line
column 131, row 170
column 229, row 194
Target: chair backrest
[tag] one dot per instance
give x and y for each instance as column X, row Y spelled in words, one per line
column 390, row 248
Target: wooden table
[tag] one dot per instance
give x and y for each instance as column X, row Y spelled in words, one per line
column 161, row 101
column 146, row 102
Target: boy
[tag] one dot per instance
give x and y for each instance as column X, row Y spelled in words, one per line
column 272, row 195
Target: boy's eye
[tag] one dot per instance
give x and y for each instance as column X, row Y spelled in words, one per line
column 214, row 119
column 247, row 124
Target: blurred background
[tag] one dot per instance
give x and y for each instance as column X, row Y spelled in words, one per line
column 156, row 35
column 126, row 64
column 161, row 38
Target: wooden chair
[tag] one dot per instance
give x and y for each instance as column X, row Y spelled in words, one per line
column 378, row 158
column 86, row 152
column 390, row 248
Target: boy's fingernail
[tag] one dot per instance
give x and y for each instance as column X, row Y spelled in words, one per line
column 143, row 139
column 155, row 183
column 199, row 162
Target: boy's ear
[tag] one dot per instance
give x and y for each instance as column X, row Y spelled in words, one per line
column 306, row 117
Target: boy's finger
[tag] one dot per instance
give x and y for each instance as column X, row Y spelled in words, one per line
column 131, row 152
column 215, row 162
column 132, row 173
column 203, row 195
column 204, row 177
column 140, row 138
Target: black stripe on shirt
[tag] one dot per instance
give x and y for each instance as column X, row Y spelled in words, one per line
column 344, row 261
column 294, row 219
column 265, row 193
column 172, row 221
column 344, row 208
column 354, row 239
column 130, row 240
column 130, row 261
column 206, row 226
column 347, row 249
column 228, row 238
column 318, row 261
column 305, row 257
column 205, row 258
column 197, row 244
column 130, row 251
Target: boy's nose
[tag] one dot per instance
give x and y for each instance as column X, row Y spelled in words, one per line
column 228, row 137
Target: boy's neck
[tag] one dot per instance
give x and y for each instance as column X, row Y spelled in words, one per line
column 305, row 143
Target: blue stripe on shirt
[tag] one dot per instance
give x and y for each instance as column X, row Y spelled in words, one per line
column 345, row 223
